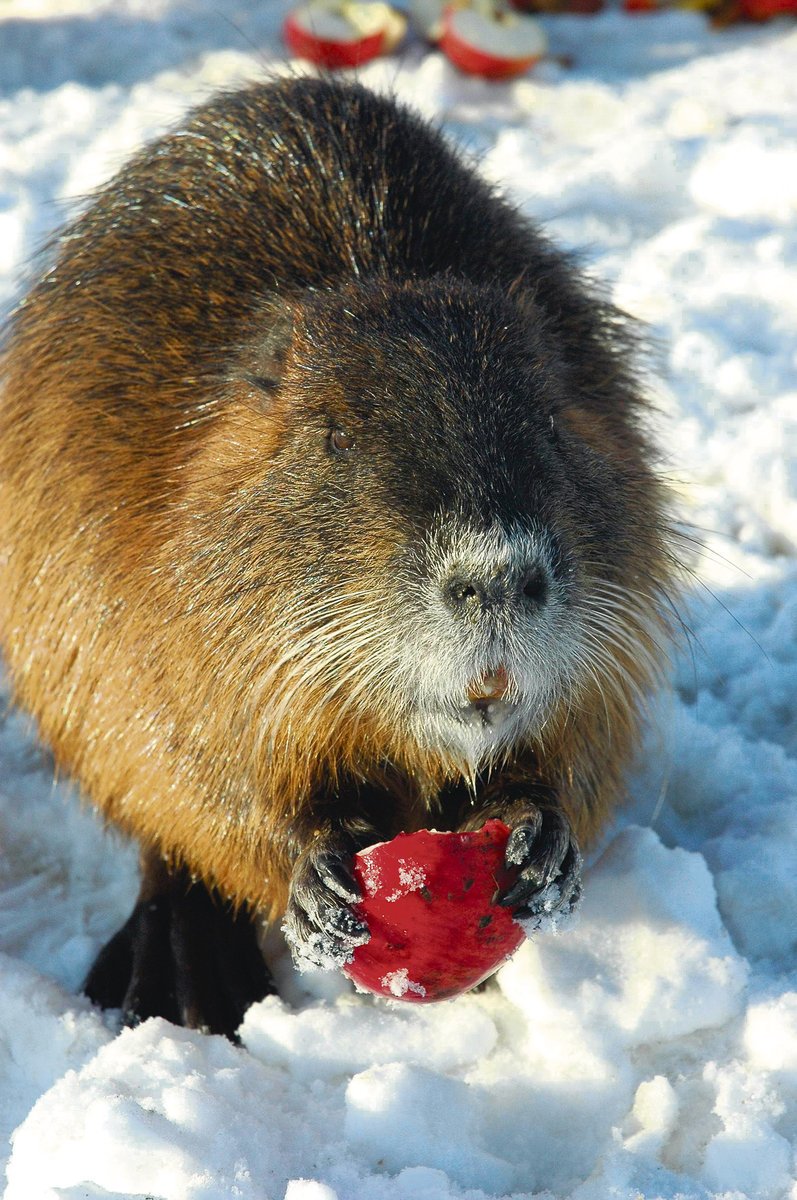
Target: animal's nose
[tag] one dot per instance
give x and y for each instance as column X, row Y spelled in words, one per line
column 471, row 594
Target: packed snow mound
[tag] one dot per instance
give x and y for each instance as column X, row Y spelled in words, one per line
column 650, row 1051
column 486, row 1090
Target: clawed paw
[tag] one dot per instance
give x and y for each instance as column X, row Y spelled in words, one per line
column 543, row 854
column 320, row 926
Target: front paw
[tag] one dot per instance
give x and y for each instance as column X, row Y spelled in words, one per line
column 320, row 926
column 544, row 857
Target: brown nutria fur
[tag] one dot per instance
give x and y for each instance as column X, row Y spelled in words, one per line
column 326, row 511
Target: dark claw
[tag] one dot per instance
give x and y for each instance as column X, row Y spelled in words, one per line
column 322, row 945
column 318, row 928
column 522, row 838
column 559, row 899
column 338, row 878
column 543, row 850
column 344, row 922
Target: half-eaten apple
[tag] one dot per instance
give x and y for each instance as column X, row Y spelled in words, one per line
column 428, row 902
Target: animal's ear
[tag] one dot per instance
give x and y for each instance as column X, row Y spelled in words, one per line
column 596, row 348
column 538, row 334
column 259, row 367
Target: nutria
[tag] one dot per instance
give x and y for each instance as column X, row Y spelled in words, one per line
column 327, row 511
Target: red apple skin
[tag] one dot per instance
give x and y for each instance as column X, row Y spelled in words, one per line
column 326, row 53
column 763, row 10
column 428, row 905
column 471, row 61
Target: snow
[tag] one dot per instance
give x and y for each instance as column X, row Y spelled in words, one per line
column 398, row 983
column 649, row 1052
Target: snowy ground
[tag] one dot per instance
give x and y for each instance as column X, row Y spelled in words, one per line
column 652, row 1051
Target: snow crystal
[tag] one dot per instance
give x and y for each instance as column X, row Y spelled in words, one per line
column 371, row 875
column 412, row 878
column 322, row 950
column 399, row 983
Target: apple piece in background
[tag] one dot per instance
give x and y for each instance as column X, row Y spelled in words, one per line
column 341, row 34
column 559, row 6
column 764, row 10
column 428, row 903
column 721, row 12
column 492, row 41
column 394, row 29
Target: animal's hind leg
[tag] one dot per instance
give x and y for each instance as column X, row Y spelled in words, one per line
column 183, row 954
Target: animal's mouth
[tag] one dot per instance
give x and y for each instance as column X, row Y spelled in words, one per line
column 486, row 713
column 490, row 687
column 487, row 703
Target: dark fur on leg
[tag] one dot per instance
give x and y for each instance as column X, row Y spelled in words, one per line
column 183, row 954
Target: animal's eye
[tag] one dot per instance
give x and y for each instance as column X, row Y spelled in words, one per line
column 341, row 442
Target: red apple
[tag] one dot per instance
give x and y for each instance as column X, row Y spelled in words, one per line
column 495, row 43
column 428, row 903
column 342, row 35
column 762, row 10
